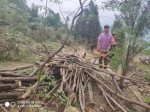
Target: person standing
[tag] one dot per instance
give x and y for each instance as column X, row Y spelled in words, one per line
column 113, row 41
column 104, row 44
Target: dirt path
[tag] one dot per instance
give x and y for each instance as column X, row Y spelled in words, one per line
column 80, row 52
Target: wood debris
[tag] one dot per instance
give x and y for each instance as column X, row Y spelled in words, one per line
column 73, row 75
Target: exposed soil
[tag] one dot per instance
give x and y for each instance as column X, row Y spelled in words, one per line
column 12, row 65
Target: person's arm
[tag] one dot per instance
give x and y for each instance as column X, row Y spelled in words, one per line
column 98, row 44
column 109, row 47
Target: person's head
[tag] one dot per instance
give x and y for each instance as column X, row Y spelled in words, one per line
column 106, row 29
column 114, row 35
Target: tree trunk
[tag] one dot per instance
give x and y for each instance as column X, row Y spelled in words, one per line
column 10, row 86
column 10, row 95
column 11, row 74
column 13, row 79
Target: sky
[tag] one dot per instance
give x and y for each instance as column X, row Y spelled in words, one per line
column 106, row 17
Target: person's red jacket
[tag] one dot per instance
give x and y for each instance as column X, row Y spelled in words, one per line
column 113, row 41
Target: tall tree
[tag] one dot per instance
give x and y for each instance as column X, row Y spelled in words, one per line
column 33, row 13
column 52, row 19
column 88, row 26
column 21, row 4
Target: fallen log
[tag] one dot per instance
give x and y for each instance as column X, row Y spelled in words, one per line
column 2, row 101
column 10, row 86
column 13, row 79
column 27, row 84
column 4, row 70
column 11, row 95
column 11, row 74
column 90, row 94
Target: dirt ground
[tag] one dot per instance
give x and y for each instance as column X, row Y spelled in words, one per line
column 12, row 65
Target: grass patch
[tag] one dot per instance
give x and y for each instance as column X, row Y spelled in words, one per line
column 146, row 100
column 145, row 69
column 2, row 64
column 54, row 45
column 33, row 59
column 146, row 52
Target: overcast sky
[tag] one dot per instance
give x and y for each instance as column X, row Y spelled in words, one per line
column 106, row 17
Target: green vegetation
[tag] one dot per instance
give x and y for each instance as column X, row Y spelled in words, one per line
column 87, row 27
column 118, row 29
column 22, row 30
column 145, row 69
column 49, row 84
column 25, row 32
column 134, row 15
column 146, row 52
column 63, row 99
column 118, row 59
column 146, row 100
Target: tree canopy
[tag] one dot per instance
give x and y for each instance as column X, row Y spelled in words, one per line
column 88, row 25
column 135, row 15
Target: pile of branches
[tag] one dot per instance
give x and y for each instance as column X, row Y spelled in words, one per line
column 74, row 74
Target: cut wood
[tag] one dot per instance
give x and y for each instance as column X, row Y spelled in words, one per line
column 13, row 79
column 105, row 96
column 10, row 95
column 118, row 95
column 90, row 94
column 32, row 88
column 10, row 86
column 72, row 75
column 11, row 74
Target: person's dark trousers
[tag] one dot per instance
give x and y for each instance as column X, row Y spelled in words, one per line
column 113, row 47
column 101, row 62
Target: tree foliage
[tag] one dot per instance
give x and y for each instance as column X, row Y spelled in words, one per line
column 52, row 19
column 33, row 13
column 118, row 29
column 20, row 25
column 88, row 26
column 135, row 15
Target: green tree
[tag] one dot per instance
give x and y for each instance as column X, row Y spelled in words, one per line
column 33, row 13
column 87, row 26
column 52, row 19
column 118, row 29
column 21, row 4
column 135, row 14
